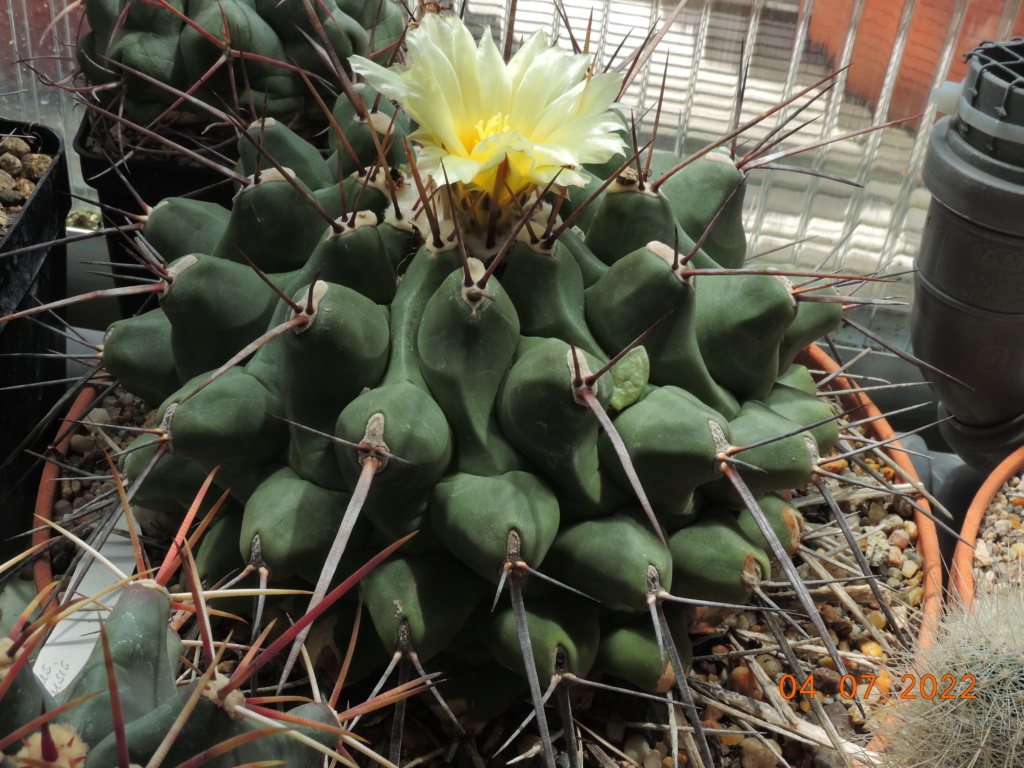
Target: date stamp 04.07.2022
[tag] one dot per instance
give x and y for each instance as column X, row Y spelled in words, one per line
column 911, row 687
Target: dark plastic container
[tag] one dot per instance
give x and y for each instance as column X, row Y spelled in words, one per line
column 152, row 181
column 42, row 274
column 968, row 313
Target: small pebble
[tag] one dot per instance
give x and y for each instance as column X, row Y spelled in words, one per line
column 899, row 538
column 914, row 596
column 896, row 558
column 732, row 741
column 890, row 523
column 653, row 759
column 1018, row 549
column 876, row 513
column 10, row 163
column 771, row 665
column 877, row 618
column 99, row 416
column 911, row 528
column 61, row 509
column 982, row 557
column 742, row 680
column 81, row 444
column 636, row 748
column 871, row 648
column 757, row 754
column 35, row 165
column 16, row 146
column 24, row 188
column 826, row 680
column 877, row 550
column 910, row 568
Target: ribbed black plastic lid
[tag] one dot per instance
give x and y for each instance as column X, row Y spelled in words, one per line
column 994, row 88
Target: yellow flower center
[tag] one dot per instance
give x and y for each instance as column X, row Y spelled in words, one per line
column 497, row 124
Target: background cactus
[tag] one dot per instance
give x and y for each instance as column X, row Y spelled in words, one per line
column 131, row 703
column 141, row 58
column 972, row 719
column 377, row 344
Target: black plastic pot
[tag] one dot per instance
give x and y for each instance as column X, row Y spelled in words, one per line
column 968, row 313
column 42, row 274
column 152, row 181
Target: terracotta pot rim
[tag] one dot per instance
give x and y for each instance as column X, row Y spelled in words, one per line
column 49, row 488
column 927, row 537
column 961, row 570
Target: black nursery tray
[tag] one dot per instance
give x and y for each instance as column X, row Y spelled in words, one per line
column 40, row 273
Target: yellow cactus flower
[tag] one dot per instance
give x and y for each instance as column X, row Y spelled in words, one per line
column 543, row 112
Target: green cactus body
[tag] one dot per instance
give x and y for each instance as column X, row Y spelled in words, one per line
column 424, row 276
column 740, row 322
column 295, row 521
column 148, row 40
column 648, row 214
column 644, row 291
column 539, row 413
column 713, row 559
column 672, row 446
column 359, row 132
column 155, row 51
column 279, row 88
column 231, row 422
column 178, row 226
column 414, row 427
column 144, row 657
column 813, row 320
column 356, row 258
column 286, row 148
column 464, row 350
column 26, row 697
column 802, row 408
column 610, row 559
column 547, row 290
column 630, row 649
column 474, row 516
column 208, row 292
column 422, row 600
column 564, row 633
column 698, row 193
column 139, row 352
column 784, row 518
column 255, row 228
column 591, row 267
column 172, row 482
column 781, row 464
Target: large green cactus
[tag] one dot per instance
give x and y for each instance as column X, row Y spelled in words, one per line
column 441, row 354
